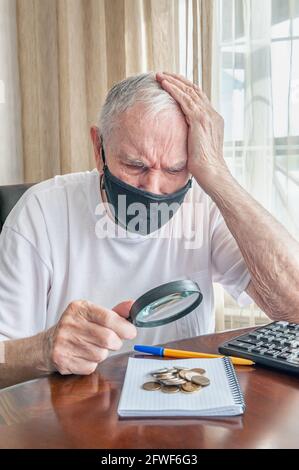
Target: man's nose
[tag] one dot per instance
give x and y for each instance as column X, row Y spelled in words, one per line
column 151, row 182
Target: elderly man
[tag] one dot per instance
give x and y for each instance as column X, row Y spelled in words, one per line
column 62, row 269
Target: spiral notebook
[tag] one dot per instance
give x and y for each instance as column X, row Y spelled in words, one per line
column 223, row 397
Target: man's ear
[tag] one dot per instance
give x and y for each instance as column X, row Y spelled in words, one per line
column 97, row 147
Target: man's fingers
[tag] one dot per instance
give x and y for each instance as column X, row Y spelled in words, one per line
column 76, row 366
column 181, row 81
column 89, row 352
column 187, row 103
column 123, row 308
column 100, row 336
column 184, row 88
column 110, row 319
column 179, row 78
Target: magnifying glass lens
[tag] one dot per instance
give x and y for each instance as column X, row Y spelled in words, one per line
column 165, row 303
column 167, row 307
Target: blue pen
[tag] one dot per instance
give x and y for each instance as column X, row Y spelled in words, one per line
column 156, row 350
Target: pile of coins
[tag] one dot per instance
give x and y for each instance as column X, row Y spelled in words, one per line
column 177, row 379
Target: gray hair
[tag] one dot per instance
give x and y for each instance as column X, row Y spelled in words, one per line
column 138, row 88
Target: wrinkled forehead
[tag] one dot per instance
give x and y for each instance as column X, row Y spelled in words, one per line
column 144, row 130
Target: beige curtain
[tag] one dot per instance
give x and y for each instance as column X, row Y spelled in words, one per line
column 68, row 53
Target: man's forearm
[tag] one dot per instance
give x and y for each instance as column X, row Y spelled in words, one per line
column 23, row 359
column 270, row 252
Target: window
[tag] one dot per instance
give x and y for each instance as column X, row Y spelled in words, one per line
column 258, row 51
column 276, row 57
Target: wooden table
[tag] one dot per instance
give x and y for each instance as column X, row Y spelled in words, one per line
column 80, row 412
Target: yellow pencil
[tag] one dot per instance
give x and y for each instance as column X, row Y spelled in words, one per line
column 178, row 353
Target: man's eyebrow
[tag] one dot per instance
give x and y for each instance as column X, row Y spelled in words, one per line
column 139, row 162
column 178, row 166
column 131, row 160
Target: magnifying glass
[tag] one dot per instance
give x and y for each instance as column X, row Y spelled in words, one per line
column 165, row 303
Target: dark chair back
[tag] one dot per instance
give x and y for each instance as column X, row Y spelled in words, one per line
column 9, row 196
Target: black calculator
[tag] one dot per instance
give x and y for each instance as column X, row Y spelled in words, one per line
column 274, row 345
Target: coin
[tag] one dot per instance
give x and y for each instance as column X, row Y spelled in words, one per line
column 172, row 370
column 173, row 382
column 178, row 381
column 183, row 373
column 190, row 387
column 166, row 370
column 198, row 370
column 170, row 388
column 200, row 380
column 189, row 375
column 161, row 371
column 178, row 368
column 151, row 386
column 163, row 376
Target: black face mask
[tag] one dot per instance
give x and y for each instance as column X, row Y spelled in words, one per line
column 136, row 210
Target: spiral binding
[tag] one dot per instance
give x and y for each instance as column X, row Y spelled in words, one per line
column 234, row 383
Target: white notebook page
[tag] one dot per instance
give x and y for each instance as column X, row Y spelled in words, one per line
column 217, row 398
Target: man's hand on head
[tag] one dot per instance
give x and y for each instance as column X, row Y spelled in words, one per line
column 84, row 335
column 206, row 128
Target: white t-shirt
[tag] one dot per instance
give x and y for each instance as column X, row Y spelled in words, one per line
column 54, row 249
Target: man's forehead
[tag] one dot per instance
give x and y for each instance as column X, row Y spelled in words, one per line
column 137, row 134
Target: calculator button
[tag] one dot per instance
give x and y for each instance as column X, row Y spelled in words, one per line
column 294, row 352
column 234, row 344
column 240, row 345
column 276, row 341
column 282, row 348
column 255, row 335
column 282, row 323
column 264, row 339
column 258, row 350
column 283, row 356
column 270, row 353
column 288, row 350
column 247, row 339
column 272, row 328
column 291, row 337
column 292, row 344
column 264, row 331
column 283, row 339
column 293, row 360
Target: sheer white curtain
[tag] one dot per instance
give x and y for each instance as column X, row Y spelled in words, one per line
column 256, row 83
column 195, row 29
column 11, row 161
